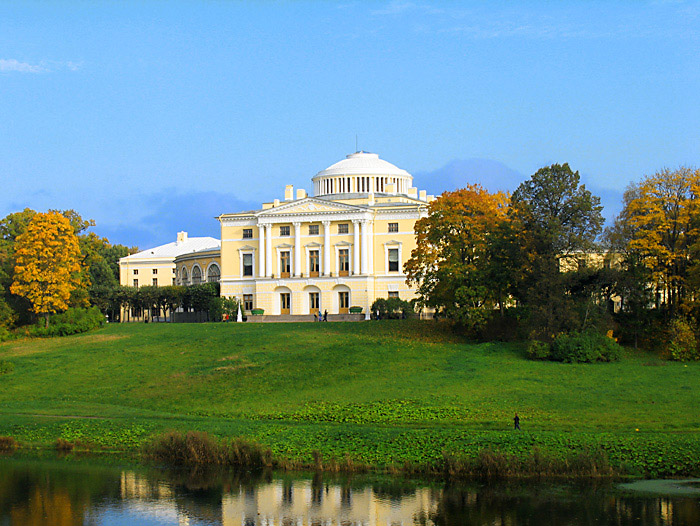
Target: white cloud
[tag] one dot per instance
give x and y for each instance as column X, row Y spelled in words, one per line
column 12, row 64
column 398, row 7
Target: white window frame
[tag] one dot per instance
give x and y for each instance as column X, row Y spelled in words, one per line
column 338, row 247
column 285, row 248
column 392, row 245
column 241, row 253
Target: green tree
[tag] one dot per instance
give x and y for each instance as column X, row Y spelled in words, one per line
column 556, row 220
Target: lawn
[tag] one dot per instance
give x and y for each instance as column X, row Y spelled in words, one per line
column 382, row 392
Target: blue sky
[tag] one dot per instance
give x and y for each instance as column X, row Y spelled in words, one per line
column 153, row 117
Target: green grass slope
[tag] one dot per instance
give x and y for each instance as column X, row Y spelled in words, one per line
column 382, row 392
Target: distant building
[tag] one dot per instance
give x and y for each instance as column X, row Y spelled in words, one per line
column 343, row 247
column 156, row 266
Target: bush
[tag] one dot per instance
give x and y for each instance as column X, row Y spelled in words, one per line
column 6, row 367
column 682, row 345
column 63, row 445
column 198, row 448
column 8, row 444
column 391, row 308
column 72, row 321
column 537, row 350
column 585, row 347
column 4, row 334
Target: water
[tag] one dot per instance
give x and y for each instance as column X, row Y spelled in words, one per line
column 62, row 492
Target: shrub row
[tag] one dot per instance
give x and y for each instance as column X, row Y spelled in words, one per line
column 72, row 321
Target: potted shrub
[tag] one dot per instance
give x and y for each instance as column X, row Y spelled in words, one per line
column 355, row 310
column 257, row 312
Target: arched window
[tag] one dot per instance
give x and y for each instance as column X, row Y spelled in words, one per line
column 196, row 275
column 213, row 273
column 184, row 276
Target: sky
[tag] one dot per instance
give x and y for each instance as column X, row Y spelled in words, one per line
column 154, row 117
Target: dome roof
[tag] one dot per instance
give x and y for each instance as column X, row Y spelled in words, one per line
column 362, row 163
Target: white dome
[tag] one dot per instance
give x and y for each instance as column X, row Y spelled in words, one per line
column 362, row 163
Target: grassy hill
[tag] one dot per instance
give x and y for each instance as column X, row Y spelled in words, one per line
column 381, row 392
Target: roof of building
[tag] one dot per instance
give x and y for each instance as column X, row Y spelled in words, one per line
column 362, row 163
column 184, row 245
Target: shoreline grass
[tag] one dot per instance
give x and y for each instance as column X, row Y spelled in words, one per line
column 394, row 395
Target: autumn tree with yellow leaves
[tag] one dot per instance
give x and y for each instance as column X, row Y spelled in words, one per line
column 47, row 263
column 659, row 224
column 452, row 263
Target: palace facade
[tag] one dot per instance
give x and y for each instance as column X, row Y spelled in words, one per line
column 342, row 247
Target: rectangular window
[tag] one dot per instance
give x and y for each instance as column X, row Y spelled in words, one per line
column 285, row 264
column 394, row 294
column 247, row 233
column 136, row 283
column 314, row 301
column 155, row 271
column 136, row 272
column 174, row 272
column 247, row 264
column 313, row 230
column 393, row 227
column 155, row 282
column 284, row 230
column 393, row 260
column 247, row 302
column 174, row 280
column 314, row 263
column 344, row 262
column 343, row 228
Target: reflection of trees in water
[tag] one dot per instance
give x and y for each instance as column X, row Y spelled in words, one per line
column 32, row 492
column 68, row 494
column 530, row 505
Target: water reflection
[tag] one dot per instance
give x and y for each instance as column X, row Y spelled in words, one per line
column 65, row 493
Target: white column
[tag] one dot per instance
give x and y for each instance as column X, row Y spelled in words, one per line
column 261, row 250
column 364, row 247
column 326, row 248
column 370, row 247
column 297, row 249
column 268, row 251
column 356, row 248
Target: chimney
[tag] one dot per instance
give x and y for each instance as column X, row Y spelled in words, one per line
column 390, row 188
column 423, row 195
column 181, row 237
column 289, row 192
column 276, row 203
column 413, row 192
column 301, row 193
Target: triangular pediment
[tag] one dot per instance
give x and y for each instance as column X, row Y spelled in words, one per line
column 310, row 205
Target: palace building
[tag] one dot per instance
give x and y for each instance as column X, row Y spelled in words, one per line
column 342, row 247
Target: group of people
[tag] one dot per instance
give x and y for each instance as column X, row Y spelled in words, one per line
column 318, row 317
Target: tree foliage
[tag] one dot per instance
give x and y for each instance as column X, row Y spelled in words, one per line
column 47, row 263
column 452, row 264
column 556, row 220
column 658, row 226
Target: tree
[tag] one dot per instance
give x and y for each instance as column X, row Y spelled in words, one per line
column 659, row 225
column 15, row 309
column 451, row 263
column 556, row 220
column 47, row 263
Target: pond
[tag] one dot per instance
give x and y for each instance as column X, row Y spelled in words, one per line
column 90, row 492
